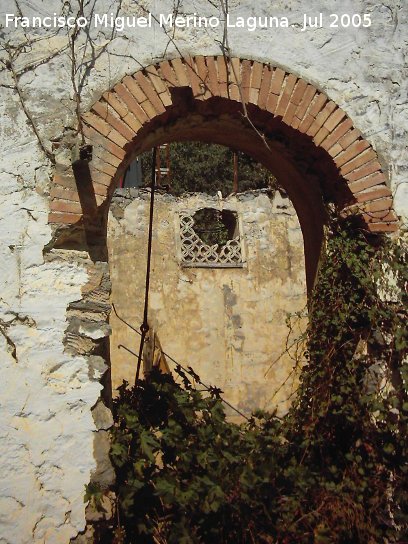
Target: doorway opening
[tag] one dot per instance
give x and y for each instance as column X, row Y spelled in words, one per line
column 226, row 272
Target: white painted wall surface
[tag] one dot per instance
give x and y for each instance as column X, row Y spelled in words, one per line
column 46, row 424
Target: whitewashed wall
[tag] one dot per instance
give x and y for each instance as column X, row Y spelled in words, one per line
column 46, row 395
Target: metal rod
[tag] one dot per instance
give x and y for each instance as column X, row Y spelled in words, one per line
column 235, row 185
column 145, row 325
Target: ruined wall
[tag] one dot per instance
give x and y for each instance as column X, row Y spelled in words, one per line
column 47, row 391
column 227, row 323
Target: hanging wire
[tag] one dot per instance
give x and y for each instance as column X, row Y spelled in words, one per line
column 189, row 370
column 144, row 327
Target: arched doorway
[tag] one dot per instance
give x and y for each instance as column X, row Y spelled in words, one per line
column 285, row 123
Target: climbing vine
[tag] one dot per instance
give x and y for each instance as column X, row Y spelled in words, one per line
column 333, row 470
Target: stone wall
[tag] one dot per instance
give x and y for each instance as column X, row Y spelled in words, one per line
column 227, row 323
column 47, row 300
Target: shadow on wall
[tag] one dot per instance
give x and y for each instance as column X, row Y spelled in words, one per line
column 225, row 317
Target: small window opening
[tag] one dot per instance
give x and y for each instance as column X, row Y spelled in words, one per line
column 215, row 226
column 210, row 237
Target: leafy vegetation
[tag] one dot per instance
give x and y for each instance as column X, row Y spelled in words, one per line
column 333, row 470
column 214, row 226
column 207, row 168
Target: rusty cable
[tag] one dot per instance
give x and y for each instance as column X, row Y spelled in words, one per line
column 144, row 327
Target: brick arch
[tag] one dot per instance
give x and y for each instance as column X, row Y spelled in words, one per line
column 122, row 119
column 121, row 114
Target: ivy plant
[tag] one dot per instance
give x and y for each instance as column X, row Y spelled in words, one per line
column 333, row 470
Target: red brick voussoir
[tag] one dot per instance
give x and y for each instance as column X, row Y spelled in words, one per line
column 115, row 120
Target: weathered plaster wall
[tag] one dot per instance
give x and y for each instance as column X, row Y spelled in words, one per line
column 47, row 393
column 362, row 70
column 227, row 323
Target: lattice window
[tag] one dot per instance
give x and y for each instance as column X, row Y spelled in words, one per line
column 210, row 238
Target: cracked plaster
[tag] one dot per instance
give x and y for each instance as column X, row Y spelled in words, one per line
column 46, row 394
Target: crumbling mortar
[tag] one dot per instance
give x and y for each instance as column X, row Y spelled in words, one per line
column 88, row 316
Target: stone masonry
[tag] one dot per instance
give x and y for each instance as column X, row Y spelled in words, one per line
column 227, row 323
column 332, row 106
